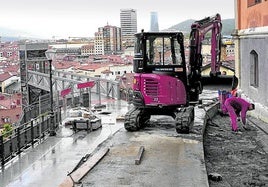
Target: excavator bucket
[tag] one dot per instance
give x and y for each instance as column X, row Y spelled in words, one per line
column 225, row 94
column 220, row 80
column 234, row 83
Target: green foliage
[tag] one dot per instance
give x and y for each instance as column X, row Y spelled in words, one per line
column 7, row 131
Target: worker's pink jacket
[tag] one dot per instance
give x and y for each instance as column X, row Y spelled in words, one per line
column 234, row 106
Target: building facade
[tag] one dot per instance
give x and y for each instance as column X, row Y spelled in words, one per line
column 88, row 49
column 154, row 22
column 99, row 43
column 251, row 52
column 112, row 39
column 128, row 20
column 9, row 52
column 108, row 40
column 7, row 79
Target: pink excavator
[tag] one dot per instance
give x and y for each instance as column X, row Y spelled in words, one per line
column 164, row 83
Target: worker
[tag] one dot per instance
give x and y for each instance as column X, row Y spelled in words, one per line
column 236, row 106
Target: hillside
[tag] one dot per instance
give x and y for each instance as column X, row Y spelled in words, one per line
column 228, row 26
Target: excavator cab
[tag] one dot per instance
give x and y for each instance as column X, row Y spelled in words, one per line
column 159, row 59
column 158, row 49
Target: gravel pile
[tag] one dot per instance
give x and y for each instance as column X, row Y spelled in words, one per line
column 232, row 159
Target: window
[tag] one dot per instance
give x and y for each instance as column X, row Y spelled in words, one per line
column 163, row 51
column 254, row 69
column 253, row 2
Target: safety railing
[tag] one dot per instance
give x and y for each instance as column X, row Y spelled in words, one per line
column 14, row 142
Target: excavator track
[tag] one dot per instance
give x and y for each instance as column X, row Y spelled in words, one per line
column 132, row 119
column 184, row 119
column 135, row 119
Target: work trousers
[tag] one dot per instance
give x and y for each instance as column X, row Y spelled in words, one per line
column 233, row 116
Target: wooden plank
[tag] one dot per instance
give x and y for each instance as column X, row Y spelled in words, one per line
column 139, row 156
column 78, row 174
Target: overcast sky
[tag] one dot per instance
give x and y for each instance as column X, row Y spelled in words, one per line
column 81, row 18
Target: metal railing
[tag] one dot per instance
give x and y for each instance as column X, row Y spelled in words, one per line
column 62, row 80
column 23, row 137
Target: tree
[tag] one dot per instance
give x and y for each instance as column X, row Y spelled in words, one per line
column 7, row 131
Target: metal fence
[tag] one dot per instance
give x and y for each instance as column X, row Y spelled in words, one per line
column 23, row 137
column 64, row 80
column 34, row 126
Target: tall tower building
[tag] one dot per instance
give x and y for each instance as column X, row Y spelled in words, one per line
column 154, row 22
column 128, row 19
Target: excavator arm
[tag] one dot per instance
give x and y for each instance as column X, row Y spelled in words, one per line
column 198, row 31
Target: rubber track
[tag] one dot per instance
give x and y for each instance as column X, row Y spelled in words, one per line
column 184, row 120
column 130, row 120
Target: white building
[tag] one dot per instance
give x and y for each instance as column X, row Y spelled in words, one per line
column 99, row 43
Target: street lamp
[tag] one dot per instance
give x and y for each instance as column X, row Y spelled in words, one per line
column 50, row 54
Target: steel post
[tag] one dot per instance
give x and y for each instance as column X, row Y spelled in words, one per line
column 52, row 122
column 2, row 151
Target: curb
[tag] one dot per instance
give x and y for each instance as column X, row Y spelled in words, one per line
column 210, row 112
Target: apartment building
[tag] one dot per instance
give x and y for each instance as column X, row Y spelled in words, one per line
column 99, row 42
column 88, row 49
column 108, row 40
column 9, row 51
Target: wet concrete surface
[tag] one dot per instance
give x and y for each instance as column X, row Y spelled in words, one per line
column 48, row 163
column 168, row 160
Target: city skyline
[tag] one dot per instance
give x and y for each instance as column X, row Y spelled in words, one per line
column 81, row 18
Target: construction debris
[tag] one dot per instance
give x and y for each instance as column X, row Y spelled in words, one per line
column 139, row 156
column 79, row 173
